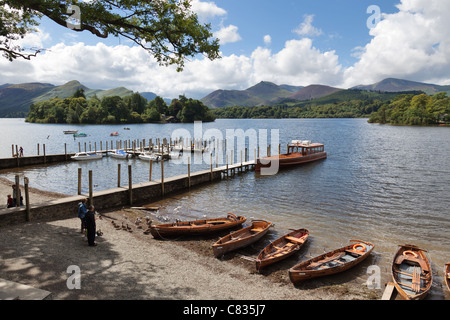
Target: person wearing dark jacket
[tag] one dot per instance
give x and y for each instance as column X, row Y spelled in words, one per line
column 89, row 221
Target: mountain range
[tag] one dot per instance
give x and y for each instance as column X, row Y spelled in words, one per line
column 15, row 99
column 267, row 93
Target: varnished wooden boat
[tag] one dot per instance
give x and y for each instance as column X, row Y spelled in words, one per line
column 197, row 227
column 241, row 238
column 298, row 152
column 281, row 248
column 411, row 272
column 332, row 262
column 447, row 275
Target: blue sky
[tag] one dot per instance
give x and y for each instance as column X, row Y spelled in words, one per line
column 292, row 42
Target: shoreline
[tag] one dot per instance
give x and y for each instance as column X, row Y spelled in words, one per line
column 135, row 266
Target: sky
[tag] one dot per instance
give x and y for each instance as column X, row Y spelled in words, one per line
column 340, row 43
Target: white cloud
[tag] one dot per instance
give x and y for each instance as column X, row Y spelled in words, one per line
column 267, row 39
column 207, row 10
column 413, row 43
column 306, row 28
column 228, row 34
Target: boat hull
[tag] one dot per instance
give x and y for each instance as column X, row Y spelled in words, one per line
column 293, row 159
column 241, row 238
column 332, row 262
column 197, row 227
column 282, row 248
column 87, row 156
column 411, row 272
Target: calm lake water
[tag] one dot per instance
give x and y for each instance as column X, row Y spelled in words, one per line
column 385, row 184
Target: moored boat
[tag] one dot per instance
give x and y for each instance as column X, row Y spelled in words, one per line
column 331, row 262
column 411, row 272
column 81, row 134
column 120, row 154
column 70, row 131
column 197, row 227
column 241, row 238
column 447, row 275
column 87, row 156
column 298, row 152
column 115, row 133
column 282, row 248
column 150, row 156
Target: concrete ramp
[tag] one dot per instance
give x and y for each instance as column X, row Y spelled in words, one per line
column 15, row 291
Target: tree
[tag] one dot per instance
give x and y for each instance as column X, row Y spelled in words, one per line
column 168, row 29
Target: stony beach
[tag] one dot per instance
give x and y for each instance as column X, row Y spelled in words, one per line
column 131, row 265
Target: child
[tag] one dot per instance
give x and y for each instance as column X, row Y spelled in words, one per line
column 10, row 202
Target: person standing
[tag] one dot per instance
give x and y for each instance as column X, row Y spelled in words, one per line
column 82, row 210
column 90, row 226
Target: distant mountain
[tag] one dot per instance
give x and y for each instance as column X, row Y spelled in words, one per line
column 15, row 99
column 313, row 92
column 261, row 93
column 397, row 85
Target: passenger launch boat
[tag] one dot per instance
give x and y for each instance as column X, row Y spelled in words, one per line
column 332, row 262
column 411, row 272
column 120, row 154
column 298, row 152
column 197, row 227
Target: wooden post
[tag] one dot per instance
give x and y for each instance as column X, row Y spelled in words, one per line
column 150, row 171
column 91, row 199
column 79, row 181
column 118, row 175
column 27, row 199
column 211, row 171
column 65, row 151
column 162, row 178
column 38, row 148
column 12, row 150
column 130, row 185
column 189, row 171
column 45, row 159
column 79, row 146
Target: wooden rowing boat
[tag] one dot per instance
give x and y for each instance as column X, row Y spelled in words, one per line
column 281, row 248
column 411, row 272
column 241, row 238
column 197, row 227
column 332, row 262
column 447, row 275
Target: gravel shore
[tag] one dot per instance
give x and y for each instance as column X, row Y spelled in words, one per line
column 133, row 266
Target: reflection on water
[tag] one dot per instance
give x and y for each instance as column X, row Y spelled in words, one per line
column 384, row 184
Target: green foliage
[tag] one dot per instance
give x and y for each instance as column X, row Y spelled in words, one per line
column 411, row 109
column 168, row 29
column 114, row 109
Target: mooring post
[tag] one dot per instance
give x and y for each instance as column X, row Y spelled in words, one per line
column 162, row 178
column 118, row 175
column 211, row 171
column 130, row 185
column 189, row 172
column 91, row 199
column 65, row 151
column 150, row 170
column 79, row 181
column 45, row 159
column 27, row 199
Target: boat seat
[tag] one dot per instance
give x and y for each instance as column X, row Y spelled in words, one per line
column 294, row 239
column 408, row 259
column 257, row 229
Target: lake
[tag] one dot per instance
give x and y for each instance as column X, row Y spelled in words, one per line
column 385, row 184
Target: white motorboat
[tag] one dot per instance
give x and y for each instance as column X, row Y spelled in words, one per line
column 150, row 156
column 87, row 156
column 120, row 154
column 175, row 154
